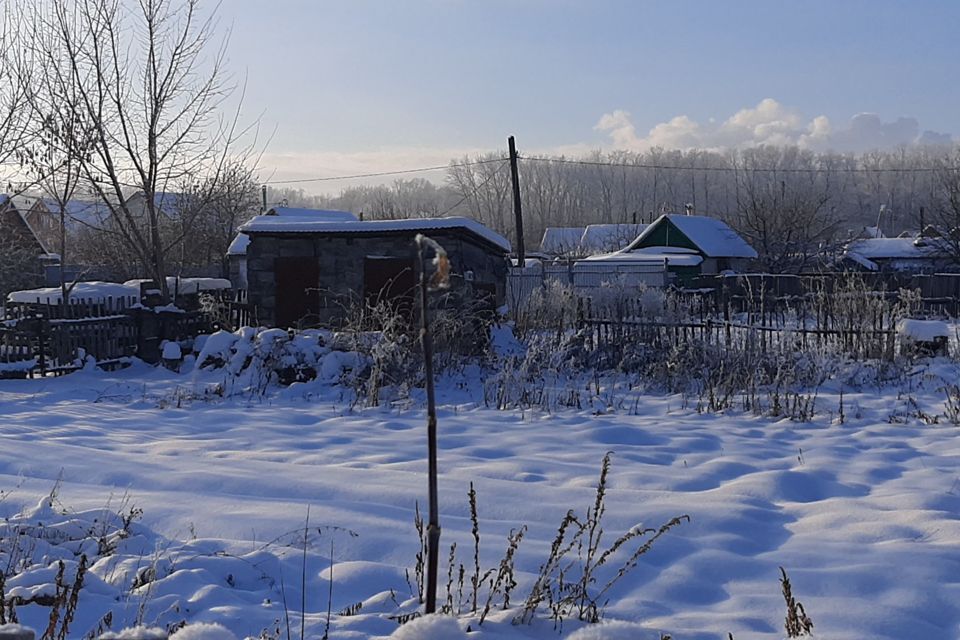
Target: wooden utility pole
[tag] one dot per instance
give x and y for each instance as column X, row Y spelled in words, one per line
column 517, row 211
column 263, row 206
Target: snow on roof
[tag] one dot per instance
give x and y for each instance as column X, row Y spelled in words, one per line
column 560, row 240
column 672, row 258
column 529, row 264
column 185, row 285
column 869, row 265
column 896, row 248
column 714, row 237
column 87, row 291
column 328, row 215
column 239, row 245
column 276, row 224
column 666, row 250
column 196, row 285
column 86, row 212
column 609, row 237
column 289, row 215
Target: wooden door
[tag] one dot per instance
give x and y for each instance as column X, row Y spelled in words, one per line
column 390, row 280
column 297, row 291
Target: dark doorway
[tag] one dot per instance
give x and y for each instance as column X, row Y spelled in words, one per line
column 389, row 280
column 298, row 297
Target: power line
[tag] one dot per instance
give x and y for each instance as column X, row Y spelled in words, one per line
column 665, row 167
column 475, row 189
column 386, row 173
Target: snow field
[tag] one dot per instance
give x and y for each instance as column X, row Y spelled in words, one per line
column 863, row 515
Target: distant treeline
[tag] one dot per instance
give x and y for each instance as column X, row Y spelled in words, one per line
column 785, row 200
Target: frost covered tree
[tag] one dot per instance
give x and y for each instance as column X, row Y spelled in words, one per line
column 945, row 214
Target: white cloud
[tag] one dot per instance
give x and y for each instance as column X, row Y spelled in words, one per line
column 769, row 122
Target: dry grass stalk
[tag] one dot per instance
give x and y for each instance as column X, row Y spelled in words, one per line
column 58, row 599
column 504, row 582
column 71, row 609
column 451, row 563
column 565, row 597
column 475, row 531
column 422, row 552
column 797, row 623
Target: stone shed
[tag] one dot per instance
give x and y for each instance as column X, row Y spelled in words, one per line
column 311, row 272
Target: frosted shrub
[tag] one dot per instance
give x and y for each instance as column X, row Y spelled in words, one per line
column 550, row 308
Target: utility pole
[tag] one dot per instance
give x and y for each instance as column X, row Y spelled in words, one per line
column 263, row 206
column 517, row 211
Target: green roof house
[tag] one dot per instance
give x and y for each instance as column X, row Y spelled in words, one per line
column 688, row 246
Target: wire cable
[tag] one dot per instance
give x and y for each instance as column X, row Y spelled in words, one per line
column 476, row 189
column 597, row 163
column 378, row 174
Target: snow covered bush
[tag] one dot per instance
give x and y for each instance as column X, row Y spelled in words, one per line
column 252, row 360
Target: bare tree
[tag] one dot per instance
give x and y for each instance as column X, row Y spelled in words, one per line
column 945, row 215
column 210, row 212
column 484, row 189
column 14, row 78
column 787, row 222
column 60, row 136
column 149, row 75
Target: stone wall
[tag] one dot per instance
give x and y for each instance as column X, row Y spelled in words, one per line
column 341, row 262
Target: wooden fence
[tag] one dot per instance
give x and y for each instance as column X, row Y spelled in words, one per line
column 38, row 338
column 861, row 329
column 937, row 294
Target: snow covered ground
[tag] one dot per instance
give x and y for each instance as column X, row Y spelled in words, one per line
column 863, row 514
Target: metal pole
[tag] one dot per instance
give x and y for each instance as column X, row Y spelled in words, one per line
column 433, row 527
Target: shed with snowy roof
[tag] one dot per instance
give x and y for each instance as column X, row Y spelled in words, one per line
column 309, row 268
column 690, row 246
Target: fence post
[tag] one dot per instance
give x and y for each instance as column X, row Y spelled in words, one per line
column 41, row 344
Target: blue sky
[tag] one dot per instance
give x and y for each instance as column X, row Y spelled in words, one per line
column 363, row 84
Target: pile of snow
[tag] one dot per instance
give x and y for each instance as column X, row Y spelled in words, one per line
column 134, row 574
column 251, row 354
column 83, row 292
column 18, row 366
column 922, row 330
column 171, row 351
column 13, row 631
